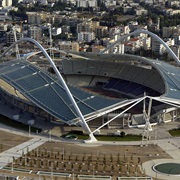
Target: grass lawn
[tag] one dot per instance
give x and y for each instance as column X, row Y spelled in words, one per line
column 109, row 138
column 175, row 132
column 119, row 138
column 18, row 125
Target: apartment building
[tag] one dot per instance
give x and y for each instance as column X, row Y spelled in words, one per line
column 132, row 45
column 84, row 27
column 157, row 47
column 68, row 46
column 141, row 11
column 101, row 31
column 97, row 48
column 86, row 3
column 3, row 27
column 176, row 38
column 34, row 18
column 5, row 3
column 38, row 18
column 170, row 31
column 176, row 50
column 35, row 32
column 118, row 31
column 86, row 36
column 10, row 37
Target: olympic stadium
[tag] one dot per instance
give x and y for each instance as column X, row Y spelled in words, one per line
column 95, row 90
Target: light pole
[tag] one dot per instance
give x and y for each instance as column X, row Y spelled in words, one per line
column 37, row 152
column 51, row 170
column 12, row 167
column 29, row 131
column 50, row 135
column 63, row 154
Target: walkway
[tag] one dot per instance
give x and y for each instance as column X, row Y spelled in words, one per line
column 170, row 146
column 16, row 152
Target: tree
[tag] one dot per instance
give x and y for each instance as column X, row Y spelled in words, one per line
column 104, row 159
column 123, row 134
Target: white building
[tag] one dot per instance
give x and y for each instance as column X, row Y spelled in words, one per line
column 132, row 45
column 176, row 37
column 172, row 12
column 118, row 31
column 86, row 36
column 5, row 3
column 92, row 3
column 109, row 3
column 146, row 43
column 44, row 2
column 172, row 3
column 140, row 12
column 136, row 43
column 82, row 3
column 118, row 49
column 127, row 9
column 149, row 1
column 86, row 3
column 3, row 27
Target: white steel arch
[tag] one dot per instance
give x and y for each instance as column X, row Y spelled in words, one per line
column 83, row 122
column 138, row 31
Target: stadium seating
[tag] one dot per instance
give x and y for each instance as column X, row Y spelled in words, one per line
column 48, row 93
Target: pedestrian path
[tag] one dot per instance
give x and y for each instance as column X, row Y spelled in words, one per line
column 16, row 152
column 171, row 146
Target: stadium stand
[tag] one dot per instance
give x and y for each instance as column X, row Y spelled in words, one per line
column 47, row 92
column 148, row 78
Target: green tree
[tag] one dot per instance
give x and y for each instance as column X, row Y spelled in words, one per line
column 123, row 134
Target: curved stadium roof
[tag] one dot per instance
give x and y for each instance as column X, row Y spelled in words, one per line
column 46, row 91
column 171, row 76
column 169, row 73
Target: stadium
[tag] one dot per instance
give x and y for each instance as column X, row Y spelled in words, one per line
column 95, row 91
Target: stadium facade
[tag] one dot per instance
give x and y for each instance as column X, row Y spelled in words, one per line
column 105, row 90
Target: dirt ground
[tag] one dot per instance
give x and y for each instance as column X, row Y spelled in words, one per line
column 104, row 160
column 9, row 140
column 146, row 152
column 86, row 159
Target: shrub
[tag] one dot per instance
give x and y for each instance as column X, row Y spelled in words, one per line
column 123, row 134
